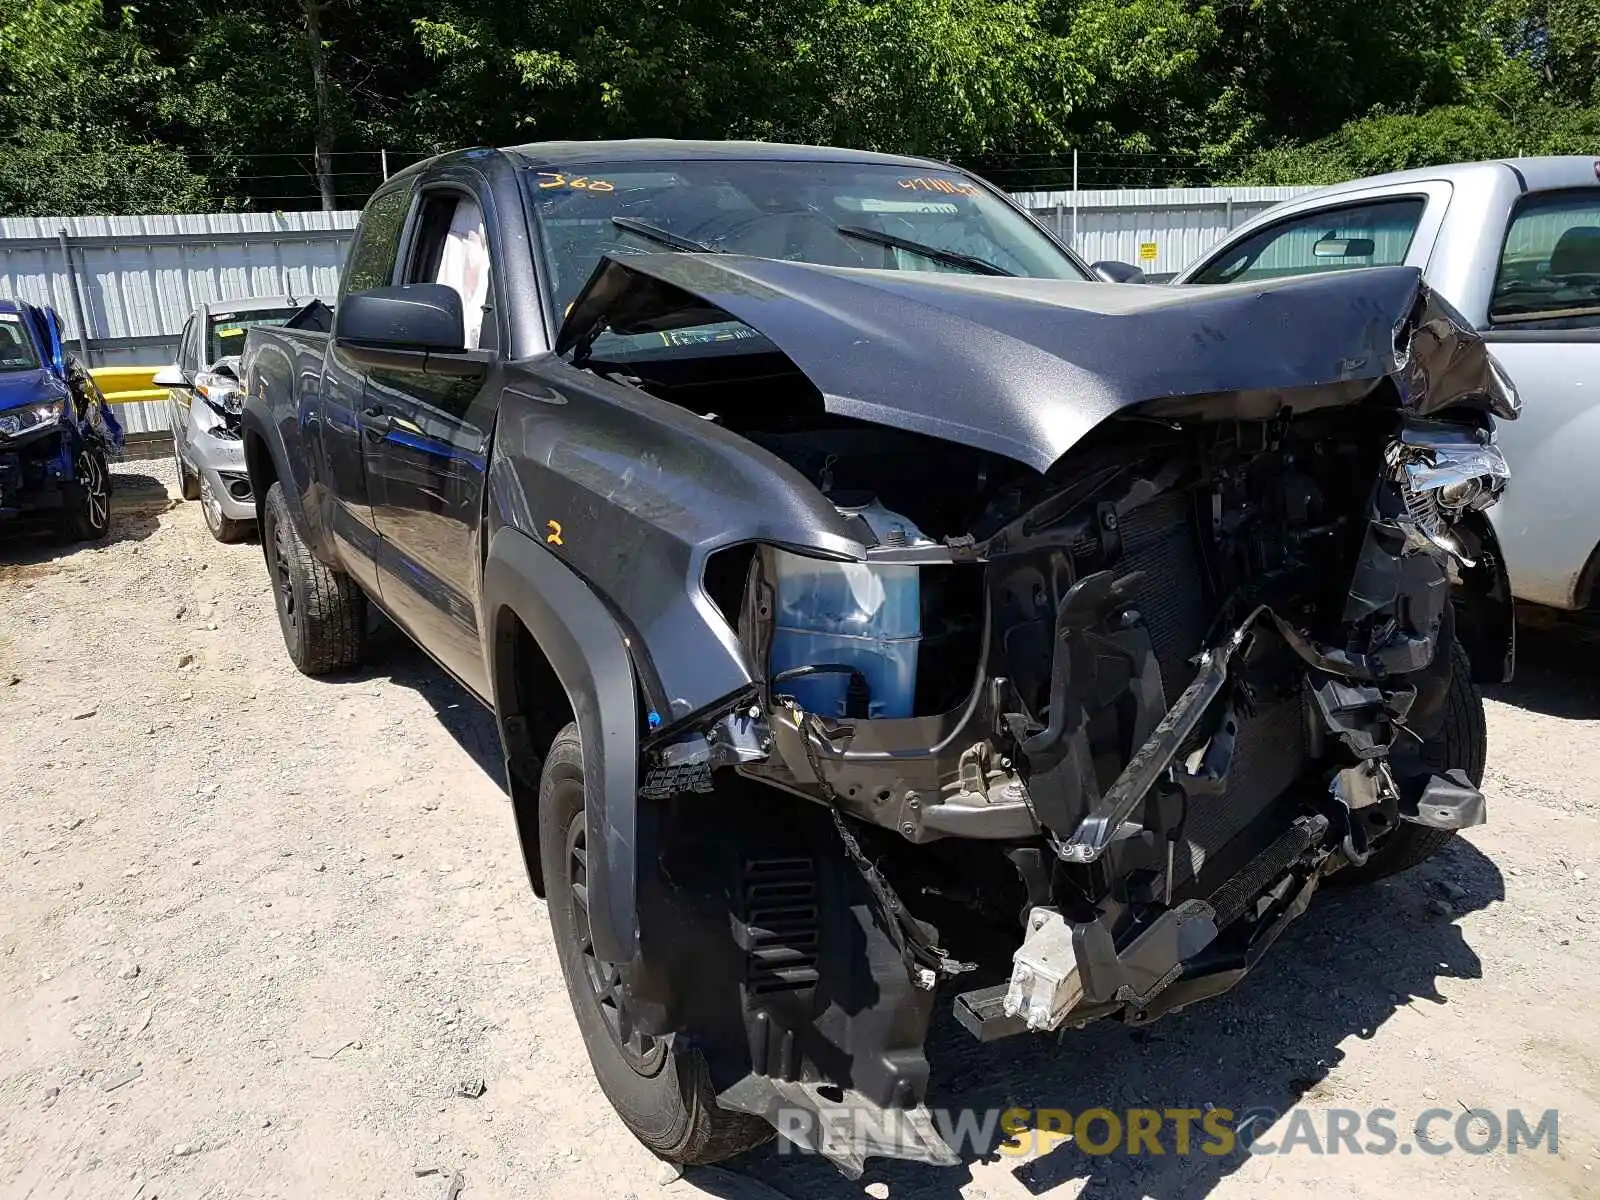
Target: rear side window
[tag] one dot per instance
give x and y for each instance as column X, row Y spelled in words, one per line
column 371, row 261
column 1550, row 266
column 1377, row 234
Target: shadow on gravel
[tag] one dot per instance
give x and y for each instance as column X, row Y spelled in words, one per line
column 1558, row 665
column 1347, row 966
column 28, row 547
column 397, row 658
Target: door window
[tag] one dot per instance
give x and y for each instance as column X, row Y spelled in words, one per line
column 1377, row 234
column 1550, row 264
column 451, row 247
column 372, row 258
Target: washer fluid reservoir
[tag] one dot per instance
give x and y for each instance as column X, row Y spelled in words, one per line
column 853, row 617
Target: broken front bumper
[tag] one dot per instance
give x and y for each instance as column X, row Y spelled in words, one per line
column 218, row 457
column 34, row 472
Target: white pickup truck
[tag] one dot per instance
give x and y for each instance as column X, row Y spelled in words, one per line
column 1515, row 246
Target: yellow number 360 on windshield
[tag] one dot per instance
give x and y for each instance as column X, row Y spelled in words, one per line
column 555, row 179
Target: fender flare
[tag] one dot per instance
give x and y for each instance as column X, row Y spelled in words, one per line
column 1485, row 613
column 259, row 432
column 586, row 649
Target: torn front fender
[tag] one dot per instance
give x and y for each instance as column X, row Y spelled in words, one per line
column 635, row 497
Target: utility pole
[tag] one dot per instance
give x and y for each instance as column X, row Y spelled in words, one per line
column 322, row 151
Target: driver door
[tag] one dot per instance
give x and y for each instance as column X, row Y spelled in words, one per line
column 428, row 443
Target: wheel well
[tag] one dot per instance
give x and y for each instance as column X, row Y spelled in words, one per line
column 532, row 707
column 263, row 474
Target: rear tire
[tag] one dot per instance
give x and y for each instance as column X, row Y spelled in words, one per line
column 87, row 516
column 1462, row 742
column 662, row 1092
column 224, row 529
column 321, row 611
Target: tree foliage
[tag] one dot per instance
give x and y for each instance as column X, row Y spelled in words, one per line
column 170, row 104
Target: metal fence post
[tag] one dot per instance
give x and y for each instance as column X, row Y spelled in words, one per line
column 1074, row 198
column 77, row 296
column 383, row 155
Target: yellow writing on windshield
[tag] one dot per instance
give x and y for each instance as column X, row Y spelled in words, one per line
column 932, row 184
column 579, row 183
column 231, row 331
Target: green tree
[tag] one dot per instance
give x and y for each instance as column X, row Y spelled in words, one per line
column 78, row 91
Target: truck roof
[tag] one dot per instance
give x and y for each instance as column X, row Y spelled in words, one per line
column 1536, row 174
column 553, row 154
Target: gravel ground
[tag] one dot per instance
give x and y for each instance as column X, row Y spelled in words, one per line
column 256, row 929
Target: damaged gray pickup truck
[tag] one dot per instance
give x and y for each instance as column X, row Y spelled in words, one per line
column 872, row 604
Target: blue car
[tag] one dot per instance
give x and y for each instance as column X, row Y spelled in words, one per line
column 57, row 433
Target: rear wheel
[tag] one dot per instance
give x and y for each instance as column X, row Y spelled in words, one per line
column 87, row 516
column 661, row 1091
column 1461, row 743
column 224, row 529
column 321, row 611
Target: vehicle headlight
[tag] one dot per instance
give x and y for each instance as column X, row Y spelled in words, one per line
column 1457, row 477
column 1443, row 472
column 15, row 422
column 220, row 391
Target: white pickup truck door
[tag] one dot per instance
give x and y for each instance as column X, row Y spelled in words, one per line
column 1549, row 518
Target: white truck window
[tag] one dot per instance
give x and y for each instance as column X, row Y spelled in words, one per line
column 1550, row 265
column 1376, row 234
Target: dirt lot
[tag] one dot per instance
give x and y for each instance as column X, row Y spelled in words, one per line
column 296, row 910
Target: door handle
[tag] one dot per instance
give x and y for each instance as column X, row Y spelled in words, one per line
column 376, row 421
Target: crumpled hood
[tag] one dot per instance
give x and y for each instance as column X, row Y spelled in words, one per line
column 29, row 387
column 1027, row 367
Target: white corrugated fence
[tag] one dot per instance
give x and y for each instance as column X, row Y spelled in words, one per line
column 124, row 286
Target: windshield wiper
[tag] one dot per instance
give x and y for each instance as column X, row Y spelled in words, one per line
column 951, row 258
column 663, row 237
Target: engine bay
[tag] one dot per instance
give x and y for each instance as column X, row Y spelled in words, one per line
column 1115, row 700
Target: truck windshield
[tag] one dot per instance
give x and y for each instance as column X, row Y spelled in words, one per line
column 225, row 331
column 833, row 213
column 16, row 347
column 1550, row 266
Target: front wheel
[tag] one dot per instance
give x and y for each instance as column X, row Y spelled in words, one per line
column 1461, row 743
column 87, row 517
column 224, row 529
column 322, row 612
column 661, row 1091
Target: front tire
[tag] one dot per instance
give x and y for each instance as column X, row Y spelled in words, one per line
column 661, row 1091
column 224, row 529
column 1461, row 743
column 87, row 517
column 321, row 611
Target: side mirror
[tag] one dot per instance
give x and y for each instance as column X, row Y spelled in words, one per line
column 170, row 376
column 416, row 317
column 1117, row 272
